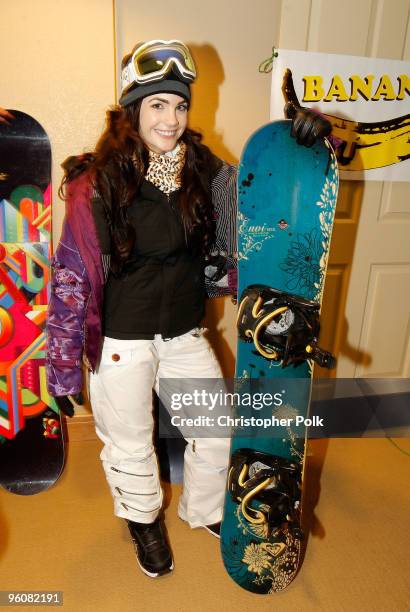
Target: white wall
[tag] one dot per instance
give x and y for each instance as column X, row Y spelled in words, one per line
column 57, row 64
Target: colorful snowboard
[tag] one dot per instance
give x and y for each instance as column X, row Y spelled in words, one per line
column 31, row 436
column 287, row 197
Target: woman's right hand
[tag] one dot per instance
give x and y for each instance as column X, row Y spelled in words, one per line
column 67, row 403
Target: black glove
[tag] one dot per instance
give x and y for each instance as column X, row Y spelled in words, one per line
column 67, row 403
column 307, row 126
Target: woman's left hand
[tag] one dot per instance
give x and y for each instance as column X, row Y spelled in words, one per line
column 307, row 125
column 67, row 403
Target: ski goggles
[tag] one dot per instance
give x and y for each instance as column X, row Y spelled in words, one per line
column 153, row 60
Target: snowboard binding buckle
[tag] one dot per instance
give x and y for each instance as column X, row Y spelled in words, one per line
column 267, row 487
column 283, row 327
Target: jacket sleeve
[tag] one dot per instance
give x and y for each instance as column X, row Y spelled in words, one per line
column 221, row 268
column 70, row 291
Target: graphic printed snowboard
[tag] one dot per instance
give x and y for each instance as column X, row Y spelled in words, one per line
column 287, row 197
column 31, row 436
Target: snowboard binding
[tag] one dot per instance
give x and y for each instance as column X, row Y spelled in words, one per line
column 283, row 327
column 273, row 484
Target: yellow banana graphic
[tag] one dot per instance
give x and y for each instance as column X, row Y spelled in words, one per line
column 364, row 145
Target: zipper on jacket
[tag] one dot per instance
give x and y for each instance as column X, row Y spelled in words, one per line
column 85, row 333
column 174, row 218
column 171, row 200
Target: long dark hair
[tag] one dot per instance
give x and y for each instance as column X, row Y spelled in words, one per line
column 118, row 166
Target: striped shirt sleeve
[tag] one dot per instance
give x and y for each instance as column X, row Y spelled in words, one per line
column 220, row 271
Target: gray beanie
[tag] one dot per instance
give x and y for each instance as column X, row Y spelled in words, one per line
column 172, row 84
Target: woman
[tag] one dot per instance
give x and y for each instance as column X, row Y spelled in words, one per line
column 149, row 231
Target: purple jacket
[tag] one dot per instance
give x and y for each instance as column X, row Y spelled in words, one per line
column 74, row 330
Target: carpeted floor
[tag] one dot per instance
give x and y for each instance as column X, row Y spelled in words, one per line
column 357, row 556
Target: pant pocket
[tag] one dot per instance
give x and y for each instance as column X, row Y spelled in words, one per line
column 114, row 361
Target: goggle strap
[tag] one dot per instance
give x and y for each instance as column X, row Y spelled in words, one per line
column 162, row 45
column 126, row 78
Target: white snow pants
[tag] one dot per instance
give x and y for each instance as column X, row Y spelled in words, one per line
column 121, row 399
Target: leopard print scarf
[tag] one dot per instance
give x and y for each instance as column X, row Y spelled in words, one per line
column 164, row 170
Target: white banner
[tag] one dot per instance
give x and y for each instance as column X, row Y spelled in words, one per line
column 367, row 101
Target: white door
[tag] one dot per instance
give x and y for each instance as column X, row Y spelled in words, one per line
column 367, row 293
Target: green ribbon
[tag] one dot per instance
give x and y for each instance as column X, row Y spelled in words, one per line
column 266, row 65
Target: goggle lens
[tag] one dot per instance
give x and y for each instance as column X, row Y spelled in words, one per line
column 154, row 60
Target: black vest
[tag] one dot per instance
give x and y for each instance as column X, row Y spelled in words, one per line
column 162, row 290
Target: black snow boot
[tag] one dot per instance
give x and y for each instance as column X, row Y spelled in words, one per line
column 214, row 529
column 153, row 552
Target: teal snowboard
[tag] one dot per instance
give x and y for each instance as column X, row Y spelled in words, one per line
column 287, row 197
